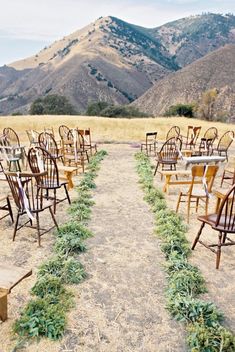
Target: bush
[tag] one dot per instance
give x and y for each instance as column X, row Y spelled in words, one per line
column 52, row 105
column 104, row 109
column 186, row 110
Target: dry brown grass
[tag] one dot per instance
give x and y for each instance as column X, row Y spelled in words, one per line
column 107, row 129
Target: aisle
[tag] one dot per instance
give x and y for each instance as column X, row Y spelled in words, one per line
column 121, row 304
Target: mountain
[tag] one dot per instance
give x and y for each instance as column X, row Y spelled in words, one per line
column 191, row 38
column 215, row 70
column 111, row 60
column 108, row 60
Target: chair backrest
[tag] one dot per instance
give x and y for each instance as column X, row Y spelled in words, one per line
column 32, row 136
column 47, row 141
column 226, row 140
column 211, row 133
column 201, row 171
column 170, row 149
column 151, row 137
column 23, row 191
column 11, row 136
column 40, row 160
column 49, row 130
column 86, row 133
column 77, row 138
column 173, row 132
column 63, row 131
column 192, row 135
column 225, row 221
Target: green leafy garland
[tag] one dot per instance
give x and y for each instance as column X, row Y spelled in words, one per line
column 185, row 282
column 45, row 315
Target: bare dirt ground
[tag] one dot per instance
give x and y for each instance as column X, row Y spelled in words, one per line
column 120, row 307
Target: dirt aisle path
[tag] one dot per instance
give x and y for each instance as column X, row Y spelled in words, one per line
column 121, row 304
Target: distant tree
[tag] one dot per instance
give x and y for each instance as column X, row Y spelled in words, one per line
column 95, row 108
column 52, row 105
column 207, row 104
column 186, row 110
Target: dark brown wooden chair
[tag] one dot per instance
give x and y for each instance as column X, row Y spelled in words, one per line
column 194, row 194
column 86, row 133
column 41, row 160
column 48, row 142
column 223, row 222
column 11, row 136
column 224, row 144
column 168, row 154
column 228, row 175
column 150, row 143
column 174, row 132
column 29, row 201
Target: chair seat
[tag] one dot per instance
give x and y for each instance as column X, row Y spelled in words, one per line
column 211, row 220
column 52, row 184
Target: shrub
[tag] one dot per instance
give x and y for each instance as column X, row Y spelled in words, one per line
column 186, row 110
column 104, row 109
column 94, row 109
column 52, row 105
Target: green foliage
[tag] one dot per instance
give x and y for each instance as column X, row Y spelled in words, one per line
column 41, row 318
column 109, row 110
column 48, row 285
column 68, row 270
column 52, row 105
column 203, row 338
column 74, row 229
column 186, row 110
column 185, row 282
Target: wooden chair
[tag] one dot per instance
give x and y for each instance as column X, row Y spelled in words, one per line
column 223, row 222
column 48, row 142
column 11, row 137
column 63, row 132
column 33, row 138
column 207, row 141
column 49, row 130
column 74, row 150
column 205, row 174
column 229, row 172
column 29, row 201
column 173, row 132
column 150, row 143
column 87, row 140
column 224, row 144
column 168, row 154
column 11, row 161
column 41, row 160
column 192, row 136
column 13, row 141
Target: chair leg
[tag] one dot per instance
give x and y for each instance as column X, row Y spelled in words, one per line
column 156, row 169
column 198, row 236
column 16, row 226
column 54, row 201
column 38, row 230
column 53, row 218
column 207, row 201
column 10, row 210
column 218, row 254
column 67, row 194
column 197, row 203
column 222, row 180
column 178, row 203
column 188, row 209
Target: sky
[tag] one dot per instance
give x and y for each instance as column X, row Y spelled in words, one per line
column 26, row 26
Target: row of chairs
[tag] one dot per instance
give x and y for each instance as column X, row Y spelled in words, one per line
column 189, row 142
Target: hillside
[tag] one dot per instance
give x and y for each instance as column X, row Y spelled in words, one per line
column 111, row 60
column 191, row 38
column 215, row 70
column 108, row 60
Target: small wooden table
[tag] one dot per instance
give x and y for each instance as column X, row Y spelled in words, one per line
column 68, row 173
column 10, row 276
column 168, row 175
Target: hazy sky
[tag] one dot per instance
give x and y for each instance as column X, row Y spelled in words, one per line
column 26, row 26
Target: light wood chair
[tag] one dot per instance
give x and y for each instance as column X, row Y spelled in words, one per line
column 194, row 194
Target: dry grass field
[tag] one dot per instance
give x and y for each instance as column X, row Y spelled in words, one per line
column 107, row 129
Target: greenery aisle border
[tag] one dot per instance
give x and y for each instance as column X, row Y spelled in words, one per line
column 45, row 315
column 185, row 282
